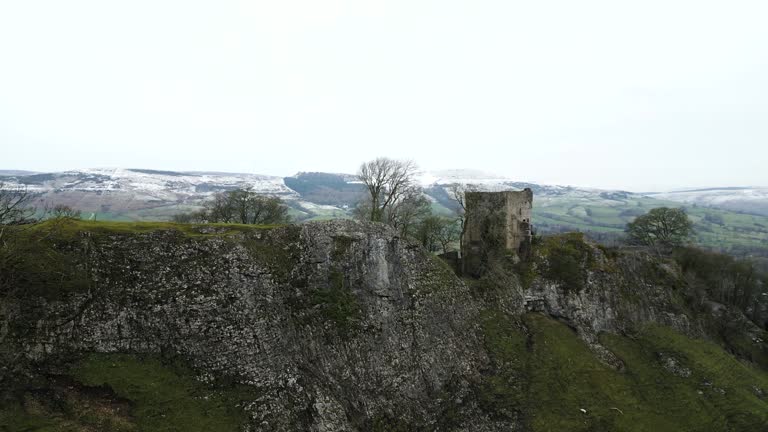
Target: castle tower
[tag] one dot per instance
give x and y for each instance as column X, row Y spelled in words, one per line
column 497, row 223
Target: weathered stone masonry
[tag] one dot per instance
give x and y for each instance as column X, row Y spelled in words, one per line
column 497, row 223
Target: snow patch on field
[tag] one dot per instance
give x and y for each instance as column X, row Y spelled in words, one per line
column 162, row 185
column 459, row 176
column 715, row 196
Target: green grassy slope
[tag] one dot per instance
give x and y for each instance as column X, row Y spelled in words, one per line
column 66, row 228
column 549, row 377
column 543, row 374
column 718, row 229
column 117, row 392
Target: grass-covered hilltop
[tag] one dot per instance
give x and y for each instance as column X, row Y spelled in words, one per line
column 347, row 326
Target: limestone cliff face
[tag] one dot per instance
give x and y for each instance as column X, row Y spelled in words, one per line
column 334, row 326
column 599, row 293
column 616, row 297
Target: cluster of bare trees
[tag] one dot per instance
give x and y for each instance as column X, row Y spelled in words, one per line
column 15, row 206
column 724, row 279
column 457, row 193
column 393, row 195
column 239, row 206
column 395, row 198
column 61, row 211
column 438, row 233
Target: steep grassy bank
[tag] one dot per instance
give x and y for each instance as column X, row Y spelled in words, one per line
column 122, row 392
column 547, row 376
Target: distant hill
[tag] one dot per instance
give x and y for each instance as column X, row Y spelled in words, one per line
column 741, row 199
column 15, row 173
column 138, row 194
column 722, row 216
column 326, row 189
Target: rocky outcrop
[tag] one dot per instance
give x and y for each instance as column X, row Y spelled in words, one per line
column 333, row 326
column 617, row 296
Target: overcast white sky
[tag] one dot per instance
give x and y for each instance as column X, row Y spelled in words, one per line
column 637, row 95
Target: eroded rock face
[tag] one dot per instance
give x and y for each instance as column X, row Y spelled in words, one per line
column 335, row 324
column 615, row 295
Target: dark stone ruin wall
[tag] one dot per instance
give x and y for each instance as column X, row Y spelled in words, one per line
column 497, row 223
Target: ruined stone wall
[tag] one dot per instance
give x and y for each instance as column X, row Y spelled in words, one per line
column 519, row 206
column 497, row 223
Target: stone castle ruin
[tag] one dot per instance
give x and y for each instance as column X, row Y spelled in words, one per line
column 497, row 224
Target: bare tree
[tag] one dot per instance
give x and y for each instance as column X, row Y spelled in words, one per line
column 191, row 217
column 437, row 232
column 448, row 234
column 405, row 214
column 218, row 209
column 388, row 181
column 62, row 211
column 14, row 205
column 239, row 206
column 251, row 208
column 457, row 192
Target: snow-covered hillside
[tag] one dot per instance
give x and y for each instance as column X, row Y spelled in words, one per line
column 488, row 182
column 137, row 193
column 715, row 195
column 462, row 176
column 744, row 199
column 122, row 190
column 148, row 184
